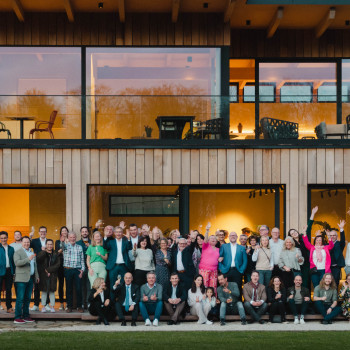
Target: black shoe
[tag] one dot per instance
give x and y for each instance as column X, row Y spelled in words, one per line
column 222, row 323
column 170, row 323
column 98, row 322
column 261, row 321
column 330, row 322
column 176, row 323
column 324, row 322
column 243, row 322
column 123, row 323
column 106, row 323
column 251, row 321
column 133, row 323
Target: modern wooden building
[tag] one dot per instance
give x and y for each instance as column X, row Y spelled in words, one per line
column 160, row 107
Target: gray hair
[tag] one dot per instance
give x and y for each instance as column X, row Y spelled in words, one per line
column 72, row 233
column 151, row 273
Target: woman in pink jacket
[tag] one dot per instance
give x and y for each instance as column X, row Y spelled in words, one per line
column 320, row 258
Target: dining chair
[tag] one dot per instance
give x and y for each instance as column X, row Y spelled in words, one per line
column 42, row 125
column 3, row 128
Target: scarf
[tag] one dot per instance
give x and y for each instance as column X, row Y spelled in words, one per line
column 319, row 252
column 255, row 291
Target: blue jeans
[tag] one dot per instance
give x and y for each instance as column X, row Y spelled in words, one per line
column 316, row 277
column 265, row 277
column 298, row 308
column 72, row 277
column 232, row 309
column 154, row 308
column 24, row 293
column 322, row 308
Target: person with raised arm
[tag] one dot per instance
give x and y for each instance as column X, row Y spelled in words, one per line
column 208, row 266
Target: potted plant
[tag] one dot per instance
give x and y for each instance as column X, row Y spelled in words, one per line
column 148, row 130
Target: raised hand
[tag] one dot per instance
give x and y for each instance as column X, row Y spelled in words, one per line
column 208, row 226
column 122, row 225
column 341, row 225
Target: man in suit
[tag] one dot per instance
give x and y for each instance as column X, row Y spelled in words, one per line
column 233, row 260
column 174, row 298
column 118, row 262
column 337, row 257
column 182, row 263
column 84, row 242
column 128, row 298
column 255, row 298
column 7, row 268
column 26, row 275
column 133, row 238
column 38, row 244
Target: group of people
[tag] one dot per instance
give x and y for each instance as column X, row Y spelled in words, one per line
column 130, row 270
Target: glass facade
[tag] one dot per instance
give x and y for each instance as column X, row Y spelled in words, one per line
column 34, row 81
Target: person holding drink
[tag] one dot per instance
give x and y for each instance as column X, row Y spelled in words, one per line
column 276, row 298
column 96, row 257
column 60, row 273
column 344, row 295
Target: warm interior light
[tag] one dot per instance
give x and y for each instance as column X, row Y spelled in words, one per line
column 100, row 5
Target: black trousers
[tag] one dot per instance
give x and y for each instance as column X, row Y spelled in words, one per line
column 60, row 276
column 277, row 308
column 106, row 312
column 336, row 272
column 8, row 278
column 121, row 312
column 233, row 275
column 140, row 277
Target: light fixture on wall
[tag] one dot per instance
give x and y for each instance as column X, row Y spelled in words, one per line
column 266, row 192
column 260, row 192
column 100, row 5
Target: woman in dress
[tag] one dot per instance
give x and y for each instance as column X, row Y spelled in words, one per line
column 344, row 296
column 197, row 252
column 163, row 261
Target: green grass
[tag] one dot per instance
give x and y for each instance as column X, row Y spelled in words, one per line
column 174, row 340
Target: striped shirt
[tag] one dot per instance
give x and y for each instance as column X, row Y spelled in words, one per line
column 73, row 256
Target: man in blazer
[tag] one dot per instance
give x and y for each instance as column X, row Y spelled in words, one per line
column 233, row 260
column 255, row 298
column 174, row 298
column 38, row 244
column 118, row 262
column 26, row 275
column 337, row 257
column 128, row 297
column 7, row 268
column 182, row 263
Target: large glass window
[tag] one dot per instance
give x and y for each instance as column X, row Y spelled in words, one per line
column 242, row 113
column 34, row 81
column 300, row 87
column 345, row 89
column 129, row 88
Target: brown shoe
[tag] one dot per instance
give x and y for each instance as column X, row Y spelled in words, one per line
column 79, row 309
column 10, row 311
column 69, row 310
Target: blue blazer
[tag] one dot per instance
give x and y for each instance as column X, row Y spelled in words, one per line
column 36, row 245
column 111, row 246
column 240, row 259
column 11, row 252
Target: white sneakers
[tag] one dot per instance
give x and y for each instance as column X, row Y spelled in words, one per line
column 302, row 320
column 47, row 307
column 52, row 309
column 43, row 309
column 149, row 323
column 34, row 308
column 296, row 320
column 209, row 323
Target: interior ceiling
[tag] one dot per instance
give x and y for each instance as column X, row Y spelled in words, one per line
column 260, row 16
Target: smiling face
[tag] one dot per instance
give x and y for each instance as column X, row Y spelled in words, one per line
column 243, row 240
column 128, row 278
column 298, row 281
column 199, row 240
column 328, row 280
column 212, row 241
column 26, row 243
column 143, row 244
column 275, row 233
column 276, row 282
column 222, row 280
column 163, row 245
column 133, row 231
column 198, row 281
column 151, row 279
column 97, row 238
column 72, row 238
column 255, row 277
column 64, row 232
column 264, row 241
column 84, row 233
column 49, row 246
column 318, row 241
column 174, row 280
column 264, row 231
column 233, row 237
column 118, row 233
column 17, row 236
column 289, row 244
column 221, row 236
column 294, row 233
column 3, row 239
column 253, row 242
column 333, row 236
column 182, row 244
column 42, row 233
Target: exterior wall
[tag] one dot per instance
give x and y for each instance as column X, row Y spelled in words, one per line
column 75, row 168
column 105, row 29
column 291, row 43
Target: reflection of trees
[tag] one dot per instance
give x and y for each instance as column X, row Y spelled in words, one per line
column 134, row 108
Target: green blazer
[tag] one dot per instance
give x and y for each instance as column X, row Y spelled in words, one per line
column 23, row 266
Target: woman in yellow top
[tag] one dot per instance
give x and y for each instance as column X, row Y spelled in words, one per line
column 96, row 257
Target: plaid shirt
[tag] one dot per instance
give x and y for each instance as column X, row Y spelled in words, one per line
column 73, row 256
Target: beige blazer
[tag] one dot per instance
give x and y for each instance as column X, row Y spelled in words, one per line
column 248, row 292
column 23, row 266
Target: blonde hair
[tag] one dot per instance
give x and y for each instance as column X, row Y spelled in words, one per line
column 98, row 281
column 268, row 241
column 289, row 239
column 159, row 232
column 93, row 242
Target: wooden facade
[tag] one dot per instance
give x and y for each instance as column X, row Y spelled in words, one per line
column 76, row 168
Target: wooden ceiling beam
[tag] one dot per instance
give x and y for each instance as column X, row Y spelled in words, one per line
column 229, row 10
column 275, row 22
column 175, row 9
column 121, row 10
column 18, row 9
column 69, row 10
column 325, row 22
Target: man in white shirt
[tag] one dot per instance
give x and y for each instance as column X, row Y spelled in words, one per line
column 276, row 246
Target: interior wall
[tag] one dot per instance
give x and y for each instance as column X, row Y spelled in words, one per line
column 230, row 210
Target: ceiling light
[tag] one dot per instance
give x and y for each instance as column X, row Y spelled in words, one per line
column 100, row 5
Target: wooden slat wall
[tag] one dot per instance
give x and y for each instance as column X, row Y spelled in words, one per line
column 246, row 43
column 296, row 168
column 105, row 29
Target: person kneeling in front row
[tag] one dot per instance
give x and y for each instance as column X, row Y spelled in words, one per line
column 229, row 295
column 100, row 303
column 255, row 298
column 298, row 300
column 326, row 298
column 151, row 300
column 128, row 297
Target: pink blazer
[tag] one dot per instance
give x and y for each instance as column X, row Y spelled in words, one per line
column 327, row 248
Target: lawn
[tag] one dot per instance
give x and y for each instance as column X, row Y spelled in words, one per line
column 176, row 340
